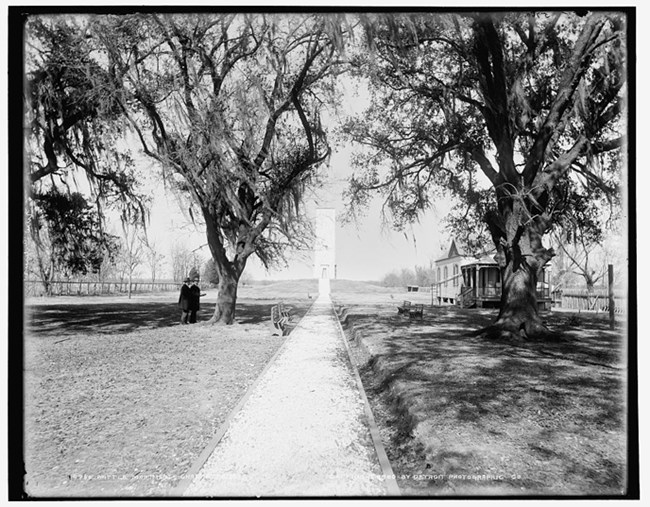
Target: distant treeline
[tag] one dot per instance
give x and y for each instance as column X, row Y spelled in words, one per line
column 422, row 276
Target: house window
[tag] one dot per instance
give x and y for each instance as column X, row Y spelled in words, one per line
column 438, row 276
column 446, row 274
column 455, row 275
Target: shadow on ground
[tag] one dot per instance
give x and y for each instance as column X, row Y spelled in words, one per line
column 127, row 316
column 546, row 417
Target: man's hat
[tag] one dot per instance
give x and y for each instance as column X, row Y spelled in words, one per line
column 186, row 280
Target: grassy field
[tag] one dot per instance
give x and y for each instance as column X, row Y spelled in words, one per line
column 462, row 416
column 120, row 399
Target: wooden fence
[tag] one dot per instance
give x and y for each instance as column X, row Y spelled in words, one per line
column 598, row 300
column 78, row 288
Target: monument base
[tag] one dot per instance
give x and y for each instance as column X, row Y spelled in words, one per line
column 324, row 286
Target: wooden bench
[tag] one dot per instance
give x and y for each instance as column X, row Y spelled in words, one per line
column 416, row 311
column 406, row 306
column 284, row 311
column 278, row 320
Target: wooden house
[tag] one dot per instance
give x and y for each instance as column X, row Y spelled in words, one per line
column 479, row 282
column 448, row 275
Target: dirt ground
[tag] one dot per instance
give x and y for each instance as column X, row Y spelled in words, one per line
column 462, row 416
column 120, row 399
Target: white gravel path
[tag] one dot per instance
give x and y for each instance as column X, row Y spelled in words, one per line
column 303, row 430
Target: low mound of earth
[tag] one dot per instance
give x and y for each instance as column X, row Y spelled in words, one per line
column 309, row 287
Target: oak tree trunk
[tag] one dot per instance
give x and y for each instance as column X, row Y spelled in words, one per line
column 519, row 315
column 224, row 311
column 521, row 257
column 229, row 271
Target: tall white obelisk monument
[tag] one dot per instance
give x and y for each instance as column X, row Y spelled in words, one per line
column 324, row 249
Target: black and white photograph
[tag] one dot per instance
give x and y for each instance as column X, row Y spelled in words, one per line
column 322, row 252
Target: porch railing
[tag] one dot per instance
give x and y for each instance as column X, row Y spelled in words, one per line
column 489, row 292
column 466, row 297
column 495, row 292
column 447, row 284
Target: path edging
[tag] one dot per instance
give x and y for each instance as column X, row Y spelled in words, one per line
column 387, row 470
column 398, row 402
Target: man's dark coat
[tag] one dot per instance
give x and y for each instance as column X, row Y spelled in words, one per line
column 185, row 298
column 195, row 297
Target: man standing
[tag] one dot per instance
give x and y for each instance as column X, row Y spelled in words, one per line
column 195, row 300
column 184, row 300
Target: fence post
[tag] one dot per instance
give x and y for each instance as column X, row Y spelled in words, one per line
column 610, row 279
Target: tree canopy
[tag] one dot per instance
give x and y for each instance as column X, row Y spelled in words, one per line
column 75, row 121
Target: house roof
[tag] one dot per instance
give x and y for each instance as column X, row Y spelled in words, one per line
column 483, row 261
column 486, row 258
column 453, row 252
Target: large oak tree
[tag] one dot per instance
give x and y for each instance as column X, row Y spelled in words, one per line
column 229, row 104
column 532, row 104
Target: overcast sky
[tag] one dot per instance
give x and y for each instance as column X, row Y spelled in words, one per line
column 366, row 250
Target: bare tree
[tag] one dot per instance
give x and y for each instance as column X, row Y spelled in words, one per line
column 183, row 259
column 154, row 258
column 133, row 251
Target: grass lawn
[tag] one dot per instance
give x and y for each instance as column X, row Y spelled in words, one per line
column 120, row 399
column 466, row 416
